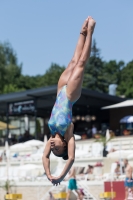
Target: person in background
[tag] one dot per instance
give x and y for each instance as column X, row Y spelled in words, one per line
column 129, row 180
column 20, row 138
column 51, row 197
column 94, row 131
column 117, row 170
column 89, row 172
column 1, row 156
column 89, row 133
column 90, row 169
column 13, row 139
column 82, row 194
column 72, row 184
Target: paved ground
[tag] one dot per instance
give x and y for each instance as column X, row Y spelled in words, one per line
column 29, row 193
column 36, row 192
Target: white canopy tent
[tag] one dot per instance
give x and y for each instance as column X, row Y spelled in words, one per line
column 119, row 105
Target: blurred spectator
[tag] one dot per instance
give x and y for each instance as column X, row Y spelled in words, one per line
column 129, row 180
column 89, row 173
column 117, row 170
column 89, row 133
column 20, row 137
column 51, row 197
column 81, row 194
column 94, row 131
column 26, row 137
column 72, row 184
column 84, row 136
column 125, row 162
column 13, row 139
column 1, row 156
column 117, row 132
column 90, row 169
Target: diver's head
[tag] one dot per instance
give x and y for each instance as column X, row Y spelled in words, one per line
column 59, row 146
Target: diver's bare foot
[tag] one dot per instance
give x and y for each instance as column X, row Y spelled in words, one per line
column 84, row 27
column 91, row 24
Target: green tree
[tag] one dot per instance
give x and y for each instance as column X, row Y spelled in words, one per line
column 93, row 78
column 52, row 75
column 10, row 88
column 10, row 70
column 125, row 86
column 28, row 82
column 112, row 72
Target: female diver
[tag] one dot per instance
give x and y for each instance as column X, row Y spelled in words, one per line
column 62, row 142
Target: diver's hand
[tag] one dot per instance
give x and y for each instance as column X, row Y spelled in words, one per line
column 56, row 180
column 49, row 177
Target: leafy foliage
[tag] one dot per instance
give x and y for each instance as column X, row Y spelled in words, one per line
column 10, row 70
column 112, row 72
column 52, row 75
column 125, row 86
column 99, row 74
column 93, row 78
column 103, row 140
column 7, row 186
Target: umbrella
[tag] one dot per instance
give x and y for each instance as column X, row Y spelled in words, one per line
column 119, row 153
column 34, row 143
column 3, row 126
column 127, row 119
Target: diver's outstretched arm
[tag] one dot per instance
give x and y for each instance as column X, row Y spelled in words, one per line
column 69, row 137
column 46, row 160
column 71, row 157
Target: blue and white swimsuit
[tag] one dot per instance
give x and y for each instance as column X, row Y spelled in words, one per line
column 61, row 115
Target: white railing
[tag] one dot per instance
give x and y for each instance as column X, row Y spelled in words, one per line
column 88, row 195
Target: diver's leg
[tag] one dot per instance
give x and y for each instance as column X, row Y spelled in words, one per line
column 78, row 51
column 75, row 81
